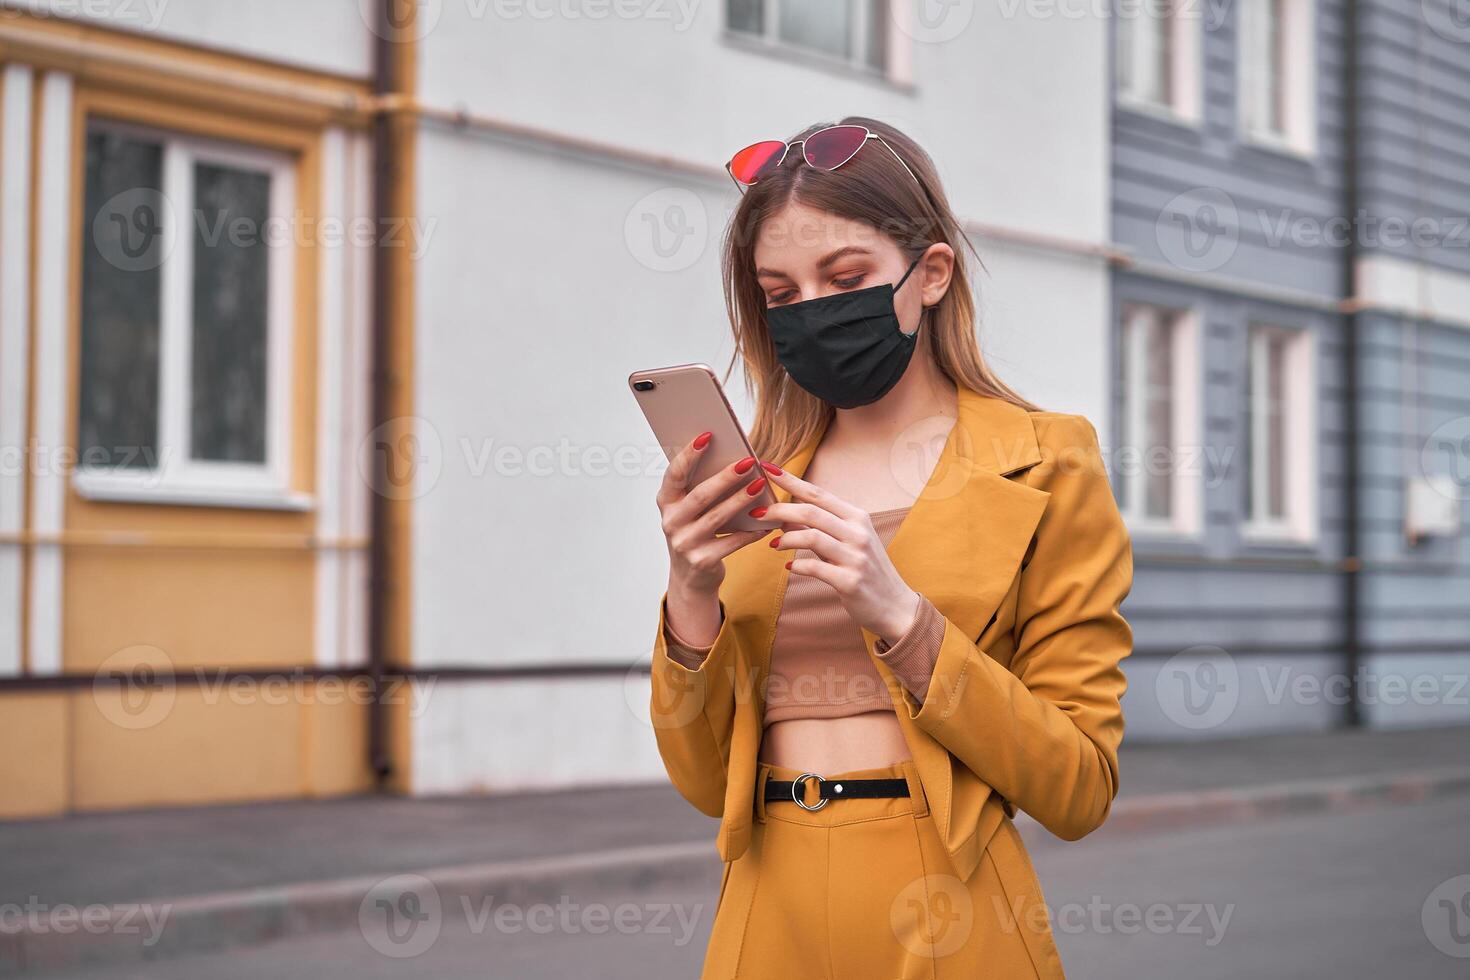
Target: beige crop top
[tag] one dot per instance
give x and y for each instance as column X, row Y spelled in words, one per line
column 819, row 665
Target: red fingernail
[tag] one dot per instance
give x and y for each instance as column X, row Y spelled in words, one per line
column 776, row 541
column 745, row 464
column 756, row 487
column 788, row 564
column 771, row 468
column 758, row 511
column 702, row 440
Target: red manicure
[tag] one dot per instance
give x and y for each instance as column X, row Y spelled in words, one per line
column 702, row 440
column 756, row 487
column 776, row 541
column 772, row 468
column 745, row 464
column 758, row 511
column 788, row 564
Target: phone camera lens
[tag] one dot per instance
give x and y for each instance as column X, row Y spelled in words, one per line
column 643, row 386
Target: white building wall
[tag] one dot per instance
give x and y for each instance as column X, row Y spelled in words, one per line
column 548, row 275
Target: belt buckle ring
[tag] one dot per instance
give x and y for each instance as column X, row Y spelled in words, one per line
column 798, row 786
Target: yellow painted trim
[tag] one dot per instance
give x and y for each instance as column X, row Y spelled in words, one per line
column 32, row 286
column 183, row 73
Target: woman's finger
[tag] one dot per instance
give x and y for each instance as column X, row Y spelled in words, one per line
column 820, row 543
column 811, row 493
column 676, row 478
column 810, row 515
column 726, row 545
column 833, row 575
column 712, row 490
column 738, row 502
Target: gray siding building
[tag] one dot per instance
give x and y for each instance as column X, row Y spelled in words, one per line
column 1291, row 436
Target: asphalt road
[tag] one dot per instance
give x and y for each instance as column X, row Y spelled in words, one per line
column 1343, row 895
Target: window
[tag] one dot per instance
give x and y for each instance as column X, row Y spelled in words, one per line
column 1158, row 51
column 854, row 32
column 185, row 306
column 1159, row 468
column 1276, row 73
column 1280, row 435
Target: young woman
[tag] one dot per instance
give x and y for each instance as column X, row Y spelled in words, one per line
column 929, row 641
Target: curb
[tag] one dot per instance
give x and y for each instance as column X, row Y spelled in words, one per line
column 213, row 922
column 1201, row 808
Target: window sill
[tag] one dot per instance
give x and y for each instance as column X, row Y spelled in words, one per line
column 144, row 489
column 1275, row 536
column 1158, row 111
column 1278, row 146
column 808, row 58
column 1153, row 531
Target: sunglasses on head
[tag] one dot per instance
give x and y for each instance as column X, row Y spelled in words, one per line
column 826, row 149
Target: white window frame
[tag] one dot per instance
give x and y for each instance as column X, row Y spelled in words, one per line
column 895, row 66
column 179, row 479
column 1298, row 133
column 1134, row 50
column 1187, row 490
column 1299, row 524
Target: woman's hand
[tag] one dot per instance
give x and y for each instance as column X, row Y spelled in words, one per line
column 691, row 515
column 850, row 556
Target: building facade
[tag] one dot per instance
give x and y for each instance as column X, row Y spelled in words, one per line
column 206, row 365
column 1290, row 362
column 321, row 471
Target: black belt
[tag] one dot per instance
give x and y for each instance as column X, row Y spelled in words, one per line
column 793, row 790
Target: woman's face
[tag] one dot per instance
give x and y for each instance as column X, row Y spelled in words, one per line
column 802, row 253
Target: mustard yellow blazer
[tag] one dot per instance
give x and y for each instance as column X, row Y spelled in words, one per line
column 1017, row 540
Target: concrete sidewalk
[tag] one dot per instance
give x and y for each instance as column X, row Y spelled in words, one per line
column 243, row 874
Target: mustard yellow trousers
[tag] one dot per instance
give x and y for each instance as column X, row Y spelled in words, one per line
column 862, row 889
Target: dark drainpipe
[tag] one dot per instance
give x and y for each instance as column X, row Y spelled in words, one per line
column 379, row 579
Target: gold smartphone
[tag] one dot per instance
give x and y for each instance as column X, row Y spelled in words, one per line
column 682, row 401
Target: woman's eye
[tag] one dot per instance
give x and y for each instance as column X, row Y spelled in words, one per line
column 849, row 283
column 782, row 297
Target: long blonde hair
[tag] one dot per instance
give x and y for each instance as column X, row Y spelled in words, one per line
column 872, row 188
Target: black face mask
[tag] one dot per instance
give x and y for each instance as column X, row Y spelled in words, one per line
column 848, row 348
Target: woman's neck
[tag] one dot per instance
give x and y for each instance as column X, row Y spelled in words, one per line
column 923, row 393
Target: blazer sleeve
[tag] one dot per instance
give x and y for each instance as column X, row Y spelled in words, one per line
column 1044, row 733
column 692, row 710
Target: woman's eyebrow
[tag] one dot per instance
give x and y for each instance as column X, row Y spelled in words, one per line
column 843, row 253
column 827, row 260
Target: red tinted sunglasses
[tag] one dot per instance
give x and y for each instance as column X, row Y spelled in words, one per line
column 826, row 149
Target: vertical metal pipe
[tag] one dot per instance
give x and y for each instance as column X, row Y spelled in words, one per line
column 1351, row 625
column 378, row 579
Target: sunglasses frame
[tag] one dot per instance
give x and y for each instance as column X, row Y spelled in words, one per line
column 802, row 143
